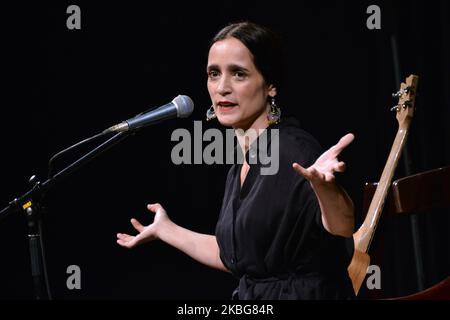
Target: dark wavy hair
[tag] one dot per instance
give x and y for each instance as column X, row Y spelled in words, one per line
column 263, row 43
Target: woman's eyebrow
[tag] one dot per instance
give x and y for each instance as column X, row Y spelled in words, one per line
column 232, row 67
column 237, row 67
column 212, row 67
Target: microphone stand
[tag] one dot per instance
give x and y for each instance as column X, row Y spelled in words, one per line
column 30, row 203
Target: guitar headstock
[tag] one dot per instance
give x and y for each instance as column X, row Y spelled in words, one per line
column 406, row 101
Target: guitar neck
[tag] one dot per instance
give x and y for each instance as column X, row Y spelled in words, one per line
column 367, row 229
column 362, row 238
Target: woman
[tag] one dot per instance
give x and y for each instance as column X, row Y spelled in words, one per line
column 283, row 235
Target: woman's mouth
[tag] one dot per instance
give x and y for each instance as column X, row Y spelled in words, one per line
column 226, row 106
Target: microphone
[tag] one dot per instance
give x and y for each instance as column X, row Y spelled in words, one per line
column 180, row 107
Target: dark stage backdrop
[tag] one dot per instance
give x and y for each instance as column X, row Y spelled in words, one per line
column 60, row 86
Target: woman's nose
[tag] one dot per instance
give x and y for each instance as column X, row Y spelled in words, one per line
column 224, row 86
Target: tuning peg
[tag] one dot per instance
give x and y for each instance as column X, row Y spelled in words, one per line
column 402, row 91
column 397, row 94
column 395, row 108
column 406, row 104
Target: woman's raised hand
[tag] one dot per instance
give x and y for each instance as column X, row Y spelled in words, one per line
column 146, row 233
column 322, row 171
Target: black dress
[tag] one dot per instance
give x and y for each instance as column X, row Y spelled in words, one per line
column 270, row 232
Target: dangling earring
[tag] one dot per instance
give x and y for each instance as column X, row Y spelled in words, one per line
column 210, row 114
column 274, row 115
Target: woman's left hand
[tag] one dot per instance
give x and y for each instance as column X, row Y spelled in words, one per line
column 322, row 171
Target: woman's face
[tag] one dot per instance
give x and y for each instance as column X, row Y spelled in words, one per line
column 237, row 89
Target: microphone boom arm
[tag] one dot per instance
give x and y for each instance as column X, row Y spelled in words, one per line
column 39, row 189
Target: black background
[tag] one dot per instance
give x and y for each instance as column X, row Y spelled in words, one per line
column 60, row 86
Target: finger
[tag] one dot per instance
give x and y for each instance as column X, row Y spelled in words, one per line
column 301, row 171
column 137, row 225
column 154, row 207
column 339, row 167
column 123, row 243
column 127, row 244
column 124, row 236
column 342, row 144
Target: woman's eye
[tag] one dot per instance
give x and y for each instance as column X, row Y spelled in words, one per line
column 239, row 74
column 213, row 74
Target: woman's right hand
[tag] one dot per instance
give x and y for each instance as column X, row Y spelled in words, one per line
column 146, row 233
